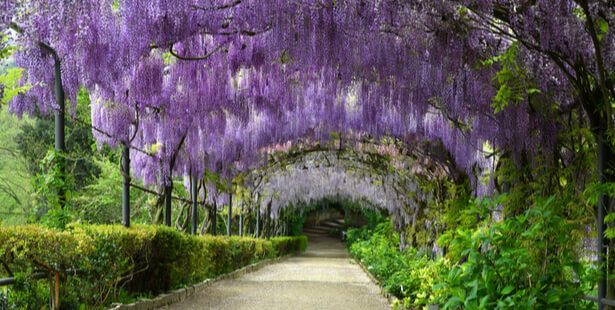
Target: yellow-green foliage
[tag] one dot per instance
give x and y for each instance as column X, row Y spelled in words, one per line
column 285, row 245
column 140, row 259
column 33, row 247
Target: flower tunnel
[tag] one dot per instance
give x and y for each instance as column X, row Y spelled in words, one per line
column 419, row 108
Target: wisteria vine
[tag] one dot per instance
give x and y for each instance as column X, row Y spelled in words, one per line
column 210, row 85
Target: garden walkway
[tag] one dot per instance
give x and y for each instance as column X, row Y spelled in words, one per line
column 324, row 277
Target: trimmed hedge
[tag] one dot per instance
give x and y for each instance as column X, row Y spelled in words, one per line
column 113, row 260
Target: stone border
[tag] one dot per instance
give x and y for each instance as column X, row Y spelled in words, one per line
column 183, row 293
column 390, row 297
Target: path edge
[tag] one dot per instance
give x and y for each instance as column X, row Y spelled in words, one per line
column 392, row 299
column 182, row 294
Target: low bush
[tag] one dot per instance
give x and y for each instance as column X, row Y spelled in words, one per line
column 408, row 274
column 113, row 261
column 286, row 245
column 526, row 261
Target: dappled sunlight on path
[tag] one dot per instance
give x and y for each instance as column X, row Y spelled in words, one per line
column 324, row 277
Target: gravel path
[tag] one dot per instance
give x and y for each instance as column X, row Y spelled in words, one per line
column 324, row 277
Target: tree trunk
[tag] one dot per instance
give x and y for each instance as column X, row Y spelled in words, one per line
column 206, row 222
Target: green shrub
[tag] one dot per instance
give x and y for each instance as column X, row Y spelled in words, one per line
column 288, row 245
column 26, row 294
column 35, row 248
column 263, row 249
column 407, row 274
column 524, row 262
column 111, row 260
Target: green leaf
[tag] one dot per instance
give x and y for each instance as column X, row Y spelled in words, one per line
column 10, row 81
column 474, row 290
column 603, row 28
column 483, row 302
column 453, row 302
column 507, row 290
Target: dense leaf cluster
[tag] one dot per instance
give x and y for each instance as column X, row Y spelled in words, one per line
column 523, row 262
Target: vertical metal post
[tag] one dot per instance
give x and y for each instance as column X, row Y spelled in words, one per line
column 258, row 224
column 168, row 190
column 229, row 217
column 125, row 185
column 602, row 250
column 205, row 218
column 60, row 145
column 194, row 187
column 214, row 219
column 240, row 222
column 249, row 226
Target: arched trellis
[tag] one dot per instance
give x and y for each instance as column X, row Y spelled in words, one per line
column 420, row 28
column 267, row 99
column 384, row 174
column 388, row 162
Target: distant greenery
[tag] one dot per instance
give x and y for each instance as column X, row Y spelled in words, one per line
column 30, row 177
column 99, row 201
column 295, row 215
column 15, row 180
column 15, row 184
column 37, row 139
column 9, row 81
column 34, row 144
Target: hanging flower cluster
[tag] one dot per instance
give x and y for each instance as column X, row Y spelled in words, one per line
column 198, row 85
